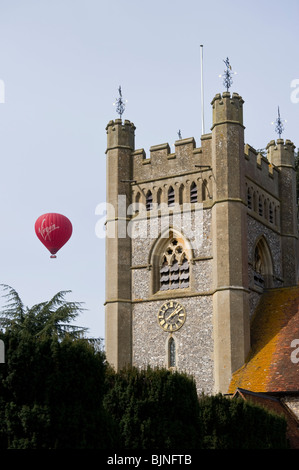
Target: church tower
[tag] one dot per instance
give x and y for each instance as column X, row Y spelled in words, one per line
column 194, row 238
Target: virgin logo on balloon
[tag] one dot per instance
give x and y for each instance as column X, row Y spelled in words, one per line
column 46, row 231
column 53, row 230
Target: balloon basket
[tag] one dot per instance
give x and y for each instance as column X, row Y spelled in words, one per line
column 53, row 256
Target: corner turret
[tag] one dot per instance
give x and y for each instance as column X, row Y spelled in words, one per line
column 120, row 135
column 227, row 108
column 281, row 155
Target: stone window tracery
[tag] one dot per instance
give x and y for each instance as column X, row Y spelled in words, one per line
column 174, row 270
column 262, row 264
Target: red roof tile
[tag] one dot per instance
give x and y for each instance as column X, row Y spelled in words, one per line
column 269, row 367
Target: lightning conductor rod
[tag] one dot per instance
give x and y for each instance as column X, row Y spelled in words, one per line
column 202, row 99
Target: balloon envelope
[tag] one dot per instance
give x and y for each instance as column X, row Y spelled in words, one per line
column 53, row 230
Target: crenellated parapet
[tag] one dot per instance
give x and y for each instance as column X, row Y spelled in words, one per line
column 162, row 163
column 281, row 153
column 120, row 135
column 260, row 171
column 227, row 108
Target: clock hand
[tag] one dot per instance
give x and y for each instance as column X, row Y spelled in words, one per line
column 176, row 310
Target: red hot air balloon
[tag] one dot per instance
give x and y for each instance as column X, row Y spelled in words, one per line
column 53, row 230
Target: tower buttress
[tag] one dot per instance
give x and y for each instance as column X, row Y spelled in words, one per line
column 118, row 336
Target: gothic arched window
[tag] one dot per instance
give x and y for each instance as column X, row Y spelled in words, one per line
column 159, row 196
column 249, row 199
column 270, row 213
column 265, row 209
column 262, row 264
column 193, row 192
column 171, row 352
column 260, row 206
column 174, row 268
column 149, row 201
column 254, row 201
column 136, row 204
column 181, row 194
column 137, row 198
column 170, row 196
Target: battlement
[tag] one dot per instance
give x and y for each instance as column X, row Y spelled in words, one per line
column 227, row 108
column 120, row 135
column 163, row 162
column 281, row 153
column 261, row 171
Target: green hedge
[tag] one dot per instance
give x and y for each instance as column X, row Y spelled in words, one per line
column 160, row 409
column 227, row 423
column 154, row 409
column 51, row 394
column 60, row 394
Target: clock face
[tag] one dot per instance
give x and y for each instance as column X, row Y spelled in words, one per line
column 171, row 316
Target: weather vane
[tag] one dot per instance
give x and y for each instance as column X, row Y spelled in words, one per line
column 120, row 103
column 279, row 124
column 227, row 77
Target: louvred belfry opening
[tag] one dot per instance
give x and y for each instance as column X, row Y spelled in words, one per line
column 174, row 271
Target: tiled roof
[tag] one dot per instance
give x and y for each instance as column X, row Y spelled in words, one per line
column 269, row 366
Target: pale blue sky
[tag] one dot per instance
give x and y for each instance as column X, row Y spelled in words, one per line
column 62, row 62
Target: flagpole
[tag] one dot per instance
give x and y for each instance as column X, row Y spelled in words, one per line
column 202, row 99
